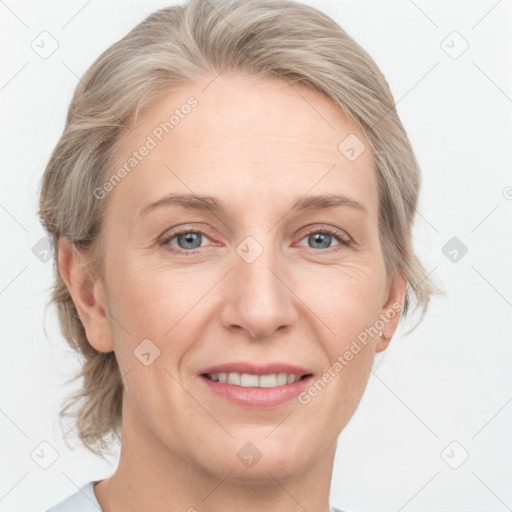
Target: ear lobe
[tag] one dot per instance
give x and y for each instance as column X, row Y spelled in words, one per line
column 382, row 344
column 87, row 292
column 392, row 310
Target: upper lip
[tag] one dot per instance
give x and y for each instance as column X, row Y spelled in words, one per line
column 256, row 369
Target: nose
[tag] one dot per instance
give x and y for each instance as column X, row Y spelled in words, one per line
column 259, row 296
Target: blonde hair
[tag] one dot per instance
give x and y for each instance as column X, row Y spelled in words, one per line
column 179, row 45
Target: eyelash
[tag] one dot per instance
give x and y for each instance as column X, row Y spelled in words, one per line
column 340, row 236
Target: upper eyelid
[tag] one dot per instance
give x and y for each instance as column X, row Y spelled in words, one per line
column 311, row 228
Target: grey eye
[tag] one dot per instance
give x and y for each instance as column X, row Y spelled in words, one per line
column 189, row 240
column 323, row 240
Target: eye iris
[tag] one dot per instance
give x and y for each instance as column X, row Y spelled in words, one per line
column 323, row 238
column 189, row 238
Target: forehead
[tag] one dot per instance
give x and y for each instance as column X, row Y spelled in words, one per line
column 249, row 141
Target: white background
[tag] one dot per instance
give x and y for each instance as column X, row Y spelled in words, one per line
column 450, row 380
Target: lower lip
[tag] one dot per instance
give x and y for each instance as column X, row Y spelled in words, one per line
column 257, row 397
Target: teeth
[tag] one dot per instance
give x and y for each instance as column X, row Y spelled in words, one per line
column 248, row 380
column 282, row 379
column 234, row 378
column 268, row 381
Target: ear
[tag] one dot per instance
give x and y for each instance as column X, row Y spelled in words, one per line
column 391, row 310
column 88, row 294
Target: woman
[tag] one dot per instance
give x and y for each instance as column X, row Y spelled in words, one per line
column 205, row 156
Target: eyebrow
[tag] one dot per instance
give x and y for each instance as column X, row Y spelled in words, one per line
column 214, row 205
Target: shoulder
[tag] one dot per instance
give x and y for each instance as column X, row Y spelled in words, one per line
column 84, row 500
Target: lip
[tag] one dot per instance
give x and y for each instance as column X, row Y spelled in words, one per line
column 256, row 369
column 255, row 397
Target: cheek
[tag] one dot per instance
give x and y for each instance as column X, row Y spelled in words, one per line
column 157, row 302
column 346, row 297
column 350, row 309
column 348, row 302
column 151, row 302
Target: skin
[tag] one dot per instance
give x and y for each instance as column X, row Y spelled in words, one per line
column 257, row 145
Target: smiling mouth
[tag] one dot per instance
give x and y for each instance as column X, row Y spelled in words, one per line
column 248, row 380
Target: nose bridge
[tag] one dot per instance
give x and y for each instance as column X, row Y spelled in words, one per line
column 262, row 303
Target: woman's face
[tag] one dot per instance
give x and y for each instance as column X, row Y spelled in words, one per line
column 244, row 283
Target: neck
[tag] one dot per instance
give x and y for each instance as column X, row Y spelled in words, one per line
column 152, row 477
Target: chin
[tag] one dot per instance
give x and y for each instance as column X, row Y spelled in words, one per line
column 263, row 460
column 267, row 472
